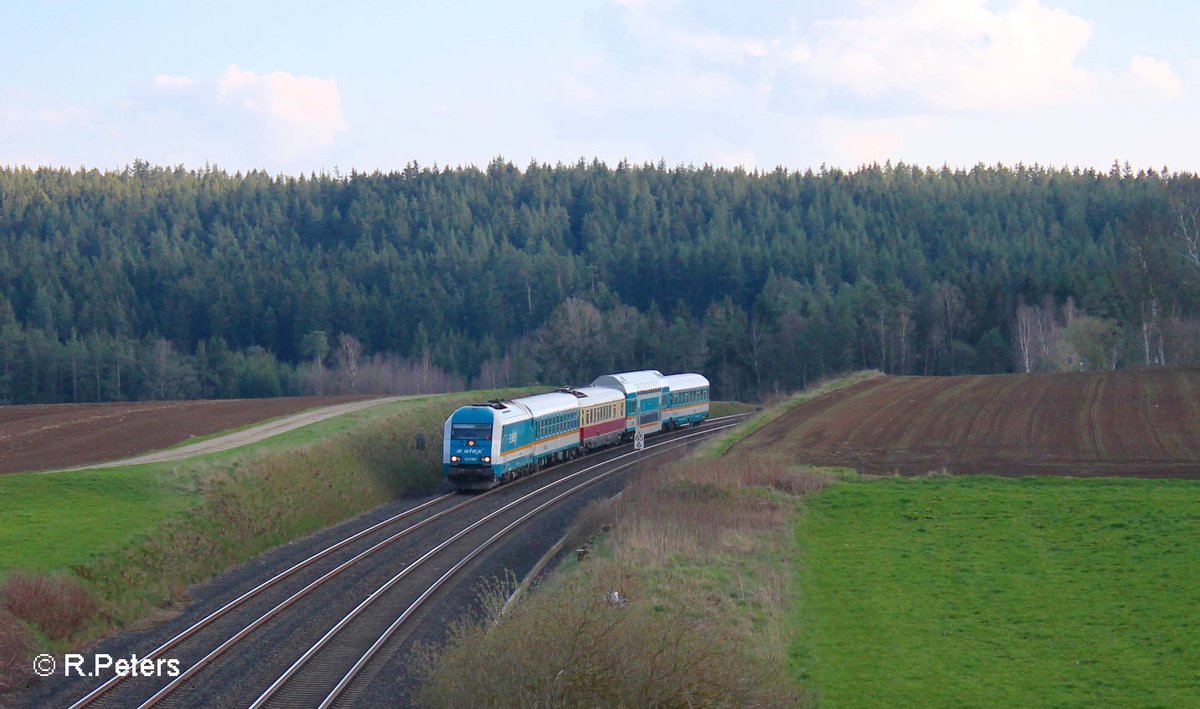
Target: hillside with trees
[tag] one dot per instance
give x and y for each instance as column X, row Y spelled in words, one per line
column 156, row 282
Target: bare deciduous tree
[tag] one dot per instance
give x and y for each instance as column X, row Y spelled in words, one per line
column 349, row 352
column 567, row 342
column 1187, row 231
column 952, row 315
column 1027, row 326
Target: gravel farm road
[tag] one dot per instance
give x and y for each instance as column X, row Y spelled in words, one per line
column 249, row 435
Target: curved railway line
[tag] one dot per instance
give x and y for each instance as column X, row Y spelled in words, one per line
column 274, row 645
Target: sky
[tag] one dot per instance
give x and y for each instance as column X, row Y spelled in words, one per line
column 299, row 87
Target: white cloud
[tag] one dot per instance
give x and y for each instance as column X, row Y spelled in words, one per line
column 924, row 81
column 302, row 114
column 954, row 55
column 1157, row 74
column 164, row 81
column 658, row 23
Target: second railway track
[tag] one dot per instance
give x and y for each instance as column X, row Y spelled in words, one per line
column 282, row 642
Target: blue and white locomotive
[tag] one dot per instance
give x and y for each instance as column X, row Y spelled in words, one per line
column 497, row 441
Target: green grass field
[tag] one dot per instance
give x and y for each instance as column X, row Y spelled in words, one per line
column 62, row 520
column 1000, row 592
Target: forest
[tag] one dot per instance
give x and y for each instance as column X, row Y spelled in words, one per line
column 163, row 283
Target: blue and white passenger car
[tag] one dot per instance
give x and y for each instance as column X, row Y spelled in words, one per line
column 644, row 393
column 686, row 400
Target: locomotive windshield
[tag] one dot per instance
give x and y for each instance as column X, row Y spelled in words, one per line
column 474, row 431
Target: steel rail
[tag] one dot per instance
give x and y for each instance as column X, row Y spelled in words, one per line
column 383, row 639
column 369, row 600
column 225, row 609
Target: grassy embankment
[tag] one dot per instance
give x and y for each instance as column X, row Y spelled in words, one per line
column 84, row 552
column 1000, row 592
column 700, row 553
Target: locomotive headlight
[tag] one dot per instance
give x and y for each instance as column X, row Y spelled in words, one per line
column 471, row 443
column 487, row 458
column 454, row 459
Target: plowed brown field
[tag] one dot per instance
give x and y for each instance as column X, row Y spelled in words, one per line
column 1136, row 423
column 66, row 435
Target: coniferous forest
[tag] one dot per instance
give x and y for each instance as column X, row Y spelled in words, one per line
column 156, row 282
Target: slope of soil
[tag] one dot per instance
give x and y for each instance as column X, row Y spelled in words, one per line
column 1142, row 423
column 49, row 437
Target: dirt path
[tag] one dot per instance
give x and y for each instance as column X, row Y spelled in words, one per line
column 250, row 435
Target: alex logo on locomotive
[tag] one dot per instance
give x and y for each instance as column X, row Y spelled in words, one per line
column 497, row 441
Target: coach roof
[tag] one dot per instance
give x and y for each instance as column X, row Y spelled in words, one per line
column 598, row 395
column 682, row 382
column 552, row 403
column 632, row 382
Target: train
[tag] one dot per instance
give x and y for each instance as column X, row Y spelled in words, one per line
column 494, row 442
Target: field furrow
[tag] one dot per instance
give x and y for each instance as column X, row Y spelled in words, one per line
column 1143, row 423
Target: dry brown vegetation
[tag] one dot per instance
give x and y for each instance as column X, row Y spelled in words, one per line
column 15, row 644
column 56, row 604
column 681, row 605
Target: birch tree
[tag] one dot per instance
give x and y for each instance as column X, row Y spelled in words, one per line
column 349, row 355
column 1187, row 233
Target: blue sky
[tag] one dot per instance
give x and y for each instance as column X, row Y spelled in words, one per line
column 306, row 86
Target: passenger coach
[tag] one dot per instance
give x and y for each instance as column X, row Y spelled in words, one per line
column 686, row 401
column 643, row 392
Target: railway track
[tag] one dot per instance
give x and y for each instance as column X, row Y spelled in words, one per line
column 456, row 530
